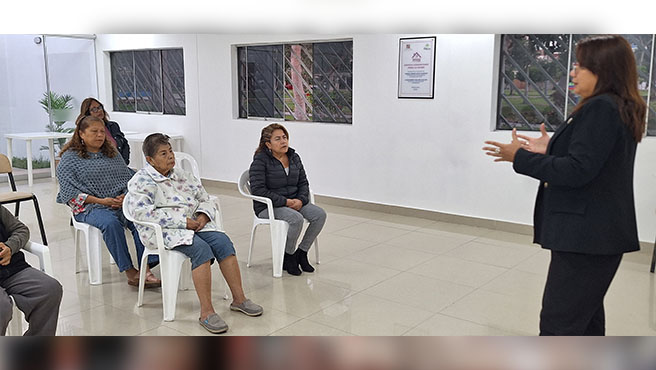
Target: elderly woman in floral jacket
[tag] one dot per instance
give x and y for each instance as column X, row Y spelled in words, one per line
column 177, row 201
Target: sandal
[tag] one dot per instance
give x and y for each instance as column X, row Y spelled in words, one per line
column 151, row 281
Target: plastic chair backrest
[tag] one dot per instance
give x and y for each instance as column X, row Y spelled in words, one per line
column 180, row 157
column 244, row 183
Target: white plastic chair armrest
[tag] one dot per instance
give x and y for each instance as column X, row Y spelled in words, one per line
column 43, row 253
column 266, row 201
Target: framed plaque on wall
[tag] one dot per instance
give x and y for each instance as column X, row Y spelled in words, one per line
column 417, row 67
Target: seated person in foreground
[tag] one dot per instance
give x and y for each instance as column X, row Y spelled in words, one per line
column 36, row 294
column 176, row 200
column 93, row 180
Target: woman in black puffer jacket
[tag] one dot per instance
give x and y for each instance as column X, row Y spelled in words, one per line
column 278, row 174
column 92, row 107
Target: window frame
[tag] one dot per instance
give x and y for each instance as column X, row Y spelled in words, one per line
column 237, row 77
column 162, row 79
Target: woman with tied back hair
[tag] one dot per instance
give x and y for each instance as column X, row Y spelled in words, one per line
column 92, row 107
column 176, row 200
column 278, row 174
column 584, row 211
column 93, row 180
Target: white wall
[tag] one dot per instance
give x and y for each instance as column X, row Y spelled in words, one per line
column 423, row 154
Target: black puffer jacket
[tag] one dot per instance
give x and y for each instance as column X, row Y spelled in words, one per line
column 268, row 179
column 121, row 142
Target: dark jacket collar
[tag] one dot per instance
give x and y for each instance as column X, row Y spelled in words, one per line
column 290, row 152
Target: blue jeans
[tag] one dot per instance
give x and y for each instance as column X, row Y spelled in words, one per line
column 112, row 223
column 207, row 246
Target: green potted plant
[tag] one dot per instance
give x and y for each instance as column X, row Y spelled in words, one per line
column 60, row 109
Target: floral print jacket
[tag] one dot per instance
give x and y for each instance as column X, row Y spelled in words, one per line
column 168, row 201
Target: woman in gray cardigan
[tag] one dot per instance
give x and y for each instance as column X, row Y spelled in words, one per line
column 278, row 174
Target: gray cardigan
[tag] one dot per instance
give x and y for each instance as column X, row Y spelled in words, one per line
column 15, row 235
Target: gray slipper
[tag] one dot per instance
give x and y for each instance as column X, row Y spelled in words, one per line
column 248, row 307
column 214, row 324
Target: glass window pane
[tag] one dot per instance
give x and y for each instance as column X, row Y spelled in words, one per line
column 333, row 81
column 651, row 112
column 242, row 77
column 123, row 81
column 265, row 81
column 148, row 78
column 298, row 82
column 533, row 81
column 173, row 81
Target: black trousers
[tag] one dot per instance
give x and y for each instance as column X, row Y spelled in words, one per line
column 573, row 301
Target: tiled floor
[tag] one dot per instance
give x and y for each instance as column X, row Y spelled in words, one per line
column 380, row 274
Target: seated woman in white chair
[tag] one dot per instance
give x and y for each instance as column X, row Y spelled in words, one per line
column 277, row 173
column 177, row 201
column 93, row 179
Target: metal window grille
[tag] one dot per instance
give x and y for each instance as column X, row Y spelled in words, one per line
column 302, row 82
column 534, row 84
column 148, row 81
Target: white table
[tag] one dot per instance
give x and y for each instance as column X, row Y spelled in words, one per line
column 28, row 137
column 138, row 138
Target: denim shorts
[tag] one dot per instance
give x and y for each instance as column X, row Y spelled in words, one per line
column 207, row 246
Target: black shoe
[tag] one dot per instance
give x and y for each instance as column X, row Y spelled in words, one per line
column 290, row 264
column 301, row 256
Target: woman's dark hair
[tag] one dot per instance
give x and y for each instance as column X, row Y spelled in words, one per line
column 76, row 144
column 86, row 105
column 265, row 137
column 152, row 142
column 611, row 59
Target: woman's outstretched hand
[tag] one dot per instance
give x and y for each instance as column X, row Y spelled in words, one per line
column 503, row 152
column 536, row 144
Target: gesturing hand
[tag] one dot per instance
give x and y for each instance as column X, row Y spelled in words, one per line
column 536, row 144
column 503, row 152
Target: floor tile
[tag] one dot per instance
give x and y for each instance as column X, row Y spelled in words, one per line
column 362, row 314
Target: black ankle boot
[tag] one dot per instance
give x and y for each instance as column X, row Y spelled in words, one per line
column 290, row 264
column 301, row 256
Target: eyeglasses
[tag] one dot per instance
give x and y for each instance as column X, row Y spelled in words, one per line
column 576, row 68
column 96, row 109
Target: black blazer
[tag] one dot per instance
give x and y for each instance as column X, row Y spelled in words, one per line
column 585, row 201
column 268, row 179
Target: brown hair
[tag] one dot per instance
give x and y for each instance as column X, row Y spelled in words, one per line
column 152, row 142
column 265, row 137
column 77, row 145
column 611, row 59
column 86, row 105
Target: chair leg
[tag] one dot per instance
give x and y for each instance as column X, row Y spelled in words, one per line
column 38, row 217
column 171, row 267
column 15, row 327
column 94, row 256
column 17, row 209
column 142, row 278
column 316, row 250
column 653, row 258
column 279, row 231
column 78, row 255
column 250, row 248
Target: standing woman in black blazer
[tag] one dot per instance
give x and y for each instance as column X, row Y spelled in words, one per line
column 584, row 211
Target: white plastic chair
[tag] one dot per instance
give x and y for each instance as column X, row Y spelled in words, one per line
column 279, row 228
column 94, row 242
column 180, row 158
column 171, row 263
column 16, row 325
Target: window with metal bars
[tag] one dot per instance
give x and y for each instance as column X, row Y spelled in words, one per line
column 148, row 81
column 534, row 82
column 299, row 81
